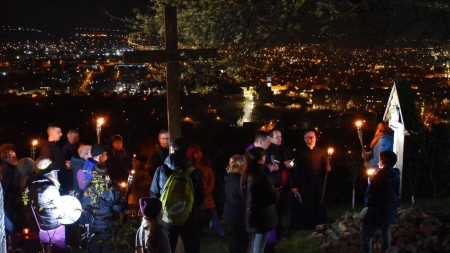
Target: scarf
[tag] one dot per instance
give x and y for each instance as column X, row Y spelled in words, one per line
column 148, row 226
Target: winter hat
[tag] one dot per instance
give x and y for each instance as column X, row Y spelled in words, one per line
column 150, row 207
column 44, row 165
column 97, row 150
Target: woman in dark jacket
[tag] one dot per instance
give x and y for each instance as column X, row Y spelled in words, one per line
column 260, row 197
column 234, row 208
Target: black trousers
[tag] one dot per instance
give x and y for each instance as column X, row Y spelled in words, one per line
column 189, row 233
column 238, row 239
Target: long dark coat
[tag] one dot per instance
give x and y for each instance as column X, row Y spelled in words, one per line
column 260, row 199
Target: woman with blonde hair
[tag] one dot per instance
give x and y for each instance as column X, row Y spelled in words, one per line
column 383, row 140
column 234, row 208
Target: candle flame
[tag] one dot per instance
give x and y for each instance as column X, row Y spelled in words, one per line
column 35, row 142
column 370, row 172
column 132, row 172
column 26, row 231
column 330, row 151
column 100, row 121
column 123, row 184
column 358, row 123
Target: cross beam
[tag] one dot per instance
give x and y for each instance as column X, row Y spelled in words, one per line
column 172, row 56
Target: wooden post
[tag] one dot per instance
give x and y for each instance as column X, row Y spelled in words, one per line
column 172, row 56
column 172, row 74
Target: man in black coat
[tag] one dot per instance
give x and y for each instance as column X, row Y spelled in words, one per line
column 50, row 149
column 308, row 181
column 282, row 156
column 381, row 203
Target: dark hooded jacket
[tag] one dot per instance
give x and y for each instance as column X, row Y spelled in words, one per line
column 76, row 164
column 234, row 208
column 260, row 199
column 381, row 197
column 178, row 162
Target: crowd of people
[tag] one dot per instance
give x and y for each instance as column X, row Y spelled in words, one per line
column 261, row 183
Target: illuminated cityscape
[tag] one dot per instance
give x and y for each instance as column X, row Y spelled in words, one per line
column 310, row 76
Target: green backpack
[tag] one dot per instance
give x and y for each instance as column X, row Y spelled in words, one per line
column 178, row 197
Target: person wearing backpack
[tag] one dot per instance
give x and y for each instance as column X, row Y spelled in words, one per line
column 179, row 186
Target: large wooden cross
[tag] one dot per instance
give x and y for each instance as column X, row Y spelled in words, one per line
column 172, row 56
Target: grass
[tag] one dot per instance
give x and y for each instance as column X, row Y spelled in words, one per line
column 297, row 239
column 296, row 242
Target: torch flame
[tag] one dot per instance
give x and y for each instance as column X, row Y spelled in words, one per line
column 35, row 142
column 370, row 172
column 330, row 151
column 100, row 121
column 358, row 123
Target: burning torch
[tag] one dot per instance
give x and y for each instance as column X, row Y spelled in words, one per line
column 33, row 149
column 330, row 152
column 99, row 129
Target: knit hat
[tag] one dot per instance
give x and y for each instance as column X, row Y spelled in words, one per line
column 150, row 207
column 97, row 150
column 44, row 165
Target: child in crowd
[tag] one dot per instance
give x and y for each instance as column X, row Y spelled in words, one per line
column 150, row 237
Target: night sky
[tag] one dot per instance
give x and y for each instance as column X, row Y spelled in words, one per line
column 63, row 16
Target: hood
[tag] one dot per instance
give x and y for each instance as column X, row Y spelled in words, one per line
column 77, row 161
column 392, row 177
column 39, row 178
column 177, row 162
column 391, row 172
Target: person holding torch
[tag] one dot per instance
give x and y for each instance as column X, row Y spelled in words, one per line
column 383, row 140
column 381, row 203
column 311, row 166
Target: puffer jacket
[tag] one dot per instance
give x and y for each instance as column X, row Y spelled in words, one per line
column 260, row 199
column 163, row 173
column 46, row 201
column 381, row 197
